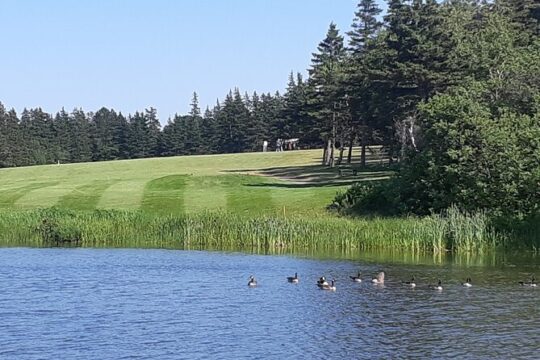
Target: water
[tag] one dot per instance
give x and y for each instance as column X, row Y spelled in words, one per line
column 119, row 304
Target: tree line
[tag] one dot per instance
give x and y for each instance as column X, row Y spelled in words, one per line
column 449, row 88
column 239, row 123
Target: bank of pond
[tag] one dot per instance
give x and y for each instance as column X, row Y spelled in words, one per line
column 452, row 232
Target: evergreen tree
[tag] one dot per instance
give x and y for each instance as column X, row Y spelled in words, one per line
column 11, row 139
column 192, row 127
column 358, row 84
column 81, row 141
column 523, row 14
column 104, row 145
column 365, row 26
column 325, row 94
column 62, row 133
column 208, row 132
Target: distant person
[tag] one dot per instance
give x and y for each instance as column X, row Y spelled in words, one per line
column 265, row 146
column 279, row 145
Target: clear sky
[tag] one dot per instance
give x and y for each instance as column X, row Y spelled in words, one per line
column 133, row 54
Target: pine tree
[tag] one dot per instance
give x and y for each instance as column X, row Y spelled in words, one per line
column 358, row 83
column 365, row 26
column 11, row 140
column 524, row 15
column 81, row 141
column 192, row 127
column 326, row 95
column 153, row 132
column 62, row 133
column 208, row 132
column 104, row 145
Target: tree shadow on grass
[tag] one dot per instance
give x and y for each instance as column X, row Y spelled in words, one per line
column 317, row 175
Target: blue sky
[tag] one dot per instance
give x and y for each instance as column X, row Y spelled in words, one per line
column 133, row 54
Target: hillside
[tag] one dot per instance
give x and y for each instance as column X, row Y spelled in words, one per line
column 291, row 182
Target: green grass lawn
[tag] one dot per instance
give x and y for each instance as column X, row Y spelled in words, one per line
column 252, row 183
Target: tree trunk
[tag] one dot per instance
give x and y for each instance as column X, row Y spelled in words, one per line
column 363, row 155
column 363, row 141
column 325, row 150
column 351, row 142
column 328, row 152
column 333, row 154
column 333, row 140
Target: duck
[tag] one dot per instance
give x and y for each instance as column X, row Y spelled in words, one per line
column 293, row 279
column 411, row 283
column 252, row 281
column 329, row 287
column 531, row 283
column 438, row 286
column 356, row 278
column 322, row 281
column 379, row 279
column 467, row 283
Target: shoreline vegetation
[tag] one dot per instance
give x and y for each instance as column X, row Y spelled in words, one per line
column 453, row 232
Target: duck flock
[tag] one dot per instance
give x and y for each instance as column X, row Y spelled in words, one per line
column 323, row 284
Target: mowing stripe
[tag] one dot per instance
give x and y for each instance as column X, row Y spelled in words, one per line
column 85, row 197
column 9, row 197
column 123, row 195
column 165, row 194
column 204, row 193
column 45, row 196
column 248, row 194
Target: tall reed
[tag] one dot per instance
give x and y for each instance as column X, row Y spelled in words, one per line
column 453, row 231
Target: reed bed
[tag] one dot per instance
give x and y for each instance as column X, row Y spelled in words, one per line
column 449, row 232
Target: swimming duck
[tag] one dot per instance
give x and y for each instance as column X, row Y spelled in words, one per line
column 356, row 278
column 379, row 279
column 322, row 281
column 411, row 283
column 252, row 281
column 293, row 279
column 438, row 286
column 330, row 287
column 467, row 283
column 531, row 283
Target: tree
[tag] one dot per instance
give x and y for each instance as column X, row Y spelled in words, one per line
column 11, row 139
column 105, row 147
column 359, row 86
column 326, row 96
column 81, row 142
column 62, row 133
column 192, row 127
column 523, row 14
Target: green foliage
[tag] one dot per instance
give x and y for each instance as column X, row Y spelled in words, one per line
column 367, row 199
column 455, row 231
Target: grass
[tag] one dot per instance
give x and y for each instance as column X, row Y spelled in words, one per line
column 261, row 183
column 267, row 201
column 228, row 231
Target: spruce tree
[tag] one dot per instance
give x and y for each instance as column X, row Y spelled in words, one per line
column 208, row 132
column 192, row 127
column 358, row 83
column 62, row 131
column 326, row 95
column 81, row 141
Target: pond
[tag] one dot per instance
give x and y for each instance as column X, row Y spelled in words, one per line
column 170, row 304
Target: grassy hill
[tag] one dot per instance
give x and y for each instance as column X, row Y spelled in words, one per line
column 252, row 183
column 205, row 200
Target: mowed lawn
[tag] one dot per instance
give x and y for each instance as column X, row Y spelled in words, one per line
column 251, row 183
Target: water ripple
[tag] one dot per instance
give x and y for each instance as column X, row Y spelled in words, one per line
column 120, row 304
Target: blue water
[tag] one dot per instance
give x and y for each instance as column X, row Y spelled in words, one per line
column 158, row 304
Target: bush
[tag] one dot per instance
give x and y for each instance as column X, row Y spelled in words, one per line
column 374, row 198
